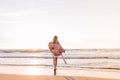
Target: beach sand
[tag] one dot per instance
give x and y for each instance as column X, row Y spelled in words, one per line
column 45, row 77
column 37, row 73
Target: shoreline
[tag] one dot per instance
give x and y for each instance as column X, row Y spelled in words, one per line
column 43, row 71
column 46, row 77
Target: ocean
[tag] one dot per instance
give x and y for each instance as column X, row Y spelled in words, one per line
column 75, row 58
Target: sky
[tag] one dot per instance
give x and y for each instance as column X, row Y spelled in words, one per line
column 31, row 24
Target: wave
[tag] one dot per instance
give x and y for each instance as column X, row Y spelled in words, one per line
column 109, row 68
column 68, row 66
column 25, row 65
column 60, row 57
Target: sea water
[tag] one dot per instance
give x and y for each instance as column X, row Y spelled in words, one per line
column 75, row 58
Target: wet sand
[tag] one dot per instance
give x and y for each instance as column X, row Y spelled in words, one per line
column 45, row 77
column 37, row 73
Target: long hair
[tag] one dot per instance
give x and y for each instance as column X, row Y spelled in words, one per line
column 55, row 39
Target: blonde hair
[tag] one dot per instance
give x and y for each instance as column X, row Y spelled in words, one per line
column 55, row 39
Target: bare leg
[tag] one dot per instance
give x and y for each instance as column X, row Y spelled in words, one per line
column 55, row 64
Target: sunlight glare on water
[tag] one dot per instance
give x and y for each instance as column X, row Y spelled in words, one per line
column 34, row 61
column 33, row 71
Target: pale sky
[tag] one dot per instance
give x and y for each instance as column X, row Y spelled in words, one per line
column 77, row 23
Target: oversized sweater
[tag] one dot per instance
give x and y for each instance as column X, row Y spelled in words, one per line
column 56, row 48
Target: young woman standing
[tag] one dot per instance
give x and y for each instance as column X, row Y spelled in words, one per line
column 56, row 50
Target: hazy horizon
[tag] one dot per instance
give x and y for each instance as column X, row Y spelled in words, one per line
column 79, row 24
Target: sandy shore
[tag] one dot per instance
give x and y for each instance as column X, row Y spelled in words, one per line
column 36, row 77
column 40, row 73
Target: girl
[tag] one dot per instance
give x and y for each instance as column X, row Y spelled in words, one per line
column 56, row 49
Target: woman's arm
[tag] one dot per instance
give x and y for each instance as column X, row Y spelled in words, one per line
column 61, row 48
column 51, row 48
